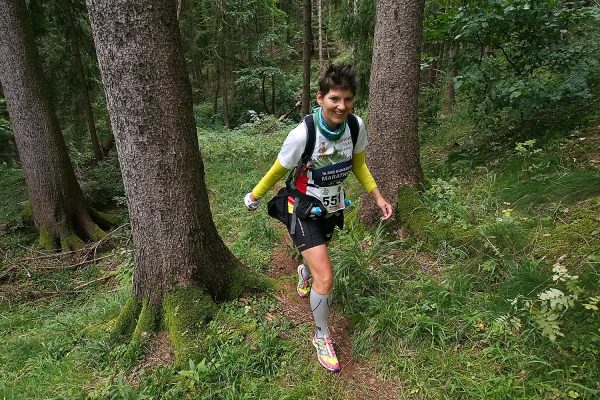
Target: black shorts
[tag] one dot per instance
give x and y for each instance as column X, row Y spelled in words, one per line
column 311, row 233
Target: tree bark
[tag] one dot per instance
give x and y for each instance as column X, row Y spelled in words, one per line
column 149, row 99
column 393, row 152
column 58, row 207
column 83, row 87
column 306, row 39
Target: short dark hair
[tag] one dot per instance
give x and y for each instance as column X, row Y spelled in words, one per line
column 338, row 76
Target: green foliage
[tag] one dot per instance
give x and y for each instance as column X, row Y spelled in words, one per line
column 102, row 183
column 524, row 79
column 357, row 27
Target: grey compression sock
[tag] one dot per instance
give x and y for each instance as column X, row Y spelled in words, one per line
column 320, row 305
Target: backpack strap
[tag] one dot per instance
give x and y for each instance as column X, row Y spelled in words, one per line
column 354, row 128
column 309, row 147
column 311, row 137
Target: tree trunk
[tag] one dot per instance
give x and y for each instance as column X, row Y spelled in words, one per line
column 179, row 4
column 83, row 87
column 306, row 39
column 225, row 94
column 393, row 152
column 263, row 93
column 56, row 200
column 273, row 110
column 149, row 99
column 320, row 20
column 449, row 92
column 216, row 98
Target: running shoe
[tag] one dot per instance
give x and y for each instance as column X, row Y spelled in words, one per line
column 325, row 353
column 303, row 286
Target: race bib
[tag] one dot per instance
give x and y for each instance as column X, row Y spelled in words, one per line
column 332, row 197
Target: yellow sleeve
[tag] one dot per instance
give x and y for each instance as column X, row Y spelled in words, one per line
column 276, row 172
column 362, row 173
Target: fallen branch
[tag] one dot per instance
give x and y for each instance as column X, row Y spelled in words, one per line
column 287, row 114
column 102, row 278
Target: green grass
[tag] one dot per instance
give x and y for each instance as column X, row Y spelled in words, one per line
column 426, row 315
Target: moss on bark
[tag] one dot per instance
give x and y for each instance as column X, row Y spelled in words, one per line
column 27, row 214
column 244, row 280
column 147, row 322
column 71, row 242
column 186, row 311
column 126, row 321
column 104, row 220
column 46, row 239
column 417, row 218
column 96, row 233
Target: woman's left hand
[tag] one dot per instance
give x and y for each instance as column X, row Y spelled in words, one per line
column 385, row 207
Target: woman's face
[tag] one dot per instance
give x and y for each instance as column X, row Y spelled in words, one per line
column 336, row 105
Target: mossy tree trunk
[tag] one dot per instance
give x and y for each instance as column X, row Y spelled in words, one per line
column 393, row 152
column 57, row 204
column 149, row 97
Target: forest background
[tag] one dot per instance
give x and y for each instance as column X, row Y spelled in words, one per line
column 485, row 285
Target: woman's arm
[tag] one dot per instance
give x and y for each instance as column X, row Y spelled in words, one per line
column 362, row 173
column 276, row 172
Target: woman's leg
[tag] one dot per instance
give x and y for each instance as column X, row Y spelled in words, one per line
column 321, row 270
column 320, row 302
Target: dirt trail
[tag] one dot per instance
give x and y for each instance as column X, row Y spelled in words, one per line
column 356, row 375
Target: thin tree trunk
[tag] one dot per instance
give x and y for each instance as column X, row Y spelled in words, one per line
column 179, row 4
column 225, row 95
column 273, row 110
column 320, row 19
column 449, row 93
column 393, row 152
column 176, row 243
column 306, row 40
column 263, row 93
column 272, row 76
column 216, row 100
column 57, row 203
column 83, row 87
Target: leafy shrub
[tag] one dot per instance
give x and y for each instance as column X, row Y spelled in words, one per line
column 260, row 123
column 526, row 79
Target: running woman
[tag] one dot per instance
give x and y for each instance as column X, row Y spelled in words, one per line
column 335, row 154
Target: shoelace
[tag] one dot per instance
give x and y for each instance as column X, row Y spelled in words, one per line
column 328, row 348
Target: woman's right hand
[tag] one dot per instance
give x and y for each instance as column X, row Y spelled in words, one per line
column 251, row 202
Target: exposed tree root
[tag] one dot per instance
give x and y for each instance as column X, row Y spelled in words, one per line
column 87, row 227
column 242, row 280
column 184, row 313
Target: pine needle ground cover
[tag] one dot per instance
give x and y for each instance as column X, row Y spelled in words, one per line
column 504, row 307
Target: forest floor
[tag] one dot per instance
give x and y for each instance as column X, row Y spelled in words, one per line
column 357, row 375
column 418, row 315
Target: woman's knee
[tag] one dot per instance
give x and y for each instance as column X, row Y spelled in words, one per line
column 324, row 281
